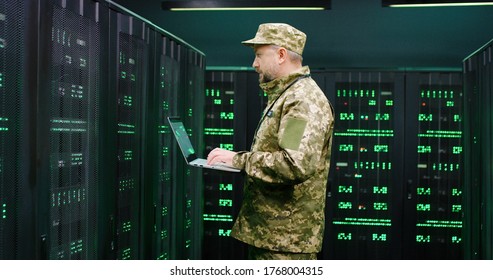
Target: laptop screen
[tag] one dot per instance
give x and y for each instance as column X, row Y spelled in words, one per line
column 182, row 138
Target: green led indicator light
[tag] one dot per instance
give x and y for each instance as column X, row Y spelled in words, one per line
column 380, row 206
column 126, row 128
column 4, row 211
column 425, row 117
column 218, row 131
column 346, row 116
column 76, row 247
column 456, row 192
column 437, row 94
column 379, row 237
column 423, row 191
column 345, row 205
column 382, row 117
column 127, row 155
column 457, row 150
column 441, row 134
column 450, row 103
column 126, row 254
column 381, row 148
column 343, row 236
column 126, row 184
column 345, row 148
column 424, row 149
column 372, row 102
column 227, row 116
column 127, row 226
column 380, row 190
column 389, row 102
column 226, row 187
column 217, row 218
column 456, row 239
column 225, row 202
column 423, row 207
column 440, row 224
column 224, row 232
column 450, row 167
column 345, row 189
column 164, row 234
column 457, row 208
column 217, row 101
column 225, row 146
column 423, row 239
column 371, row 165
column 364, row 222
column 457, row 118
column 366, row 132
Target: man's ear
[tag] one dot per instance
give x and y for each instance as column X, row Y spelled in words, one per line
column 282, row 54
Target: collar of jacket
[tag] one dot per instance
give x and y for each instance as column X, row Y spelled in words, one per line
column 275, row 87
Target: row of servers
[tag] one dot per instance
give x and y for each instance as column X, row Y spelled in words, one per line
column 395, row 184
column 88, row 164
column 478, row 138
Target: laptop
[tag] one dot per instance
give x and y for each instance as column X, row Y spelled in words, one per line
column 187, row 149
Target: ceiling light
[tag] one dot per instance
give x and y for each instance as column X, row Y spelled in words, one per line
column 433, row 3
column 240, row 5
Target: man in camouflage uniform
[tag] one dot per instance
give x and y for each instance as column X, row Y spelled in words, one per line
column 282, row 215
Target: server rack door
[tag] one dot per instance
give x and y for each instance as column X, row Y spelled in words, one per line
column 129, row 57
column 18, row 47
column 224, row 127
column 187, row 200
column 67, row 126
column 364, row 203
column 434, row 165
column 473, row 123
column 163, row 103
column 479, row 177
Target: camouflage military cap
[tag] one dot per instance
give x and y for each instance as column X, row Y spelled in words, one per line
column 279, row 34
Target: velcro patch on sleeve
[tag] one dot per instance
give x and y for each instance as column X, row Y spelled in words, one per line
column 293, row 133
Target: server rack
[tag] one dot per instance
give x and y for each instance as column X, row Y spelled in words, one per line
column 363, row 204
column 478, row 194
column 80, row 175
column 67, row 121
column 18, row 33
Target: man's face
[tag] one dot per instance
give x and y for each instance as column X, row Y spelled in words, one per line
column 265, row 63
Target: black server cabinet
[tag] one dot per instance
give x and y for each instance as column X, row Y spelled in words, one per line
column 395, row 189
column 364, row 193
column 225, row 122
column 67, row 123
column 128, row 65
column 433, row 166
column 478, row 154
column 163, row 102
column 188, row 194
column 18, row 38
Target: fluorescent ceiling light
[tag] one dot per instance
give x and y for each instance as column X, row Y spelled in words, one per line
column 240, row 5
column 429, row 3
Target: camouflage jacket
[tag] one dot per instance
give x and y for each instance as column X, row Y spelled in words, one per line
column 287, row 168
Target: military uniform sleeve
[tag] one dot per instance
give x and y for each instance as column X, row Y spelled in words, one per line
column 301, row 138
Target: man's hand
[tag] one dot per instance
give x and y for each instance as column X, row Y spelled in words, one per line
column 220, row 156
